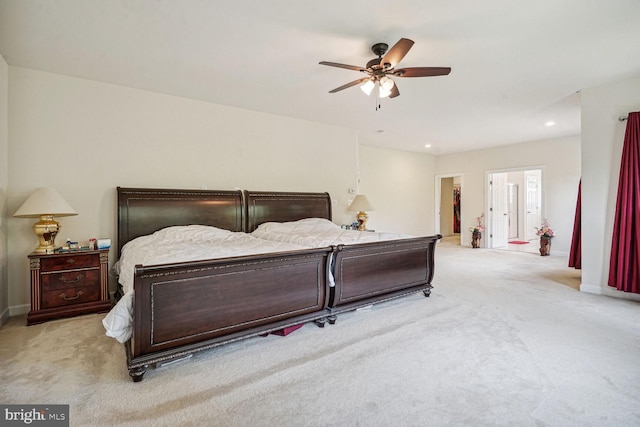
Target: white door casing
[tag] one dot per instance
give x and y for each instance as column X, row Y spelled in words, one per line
column 514, row 213
column 533, row 217
column 499, row 211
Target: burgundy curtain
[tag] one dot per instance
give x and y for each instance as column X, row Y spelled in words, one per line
column 624, row 266
column 575, row 253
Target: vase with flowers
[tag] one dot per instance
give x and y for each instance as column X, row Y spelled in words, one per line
column 546, row 234
column 476, row 231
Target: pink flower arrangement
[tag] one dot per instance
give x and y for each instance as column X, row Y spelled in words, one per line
column 479, row 224
column 545, row 230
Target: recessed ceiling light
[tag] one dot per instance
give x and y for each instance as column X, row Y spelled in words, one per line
column 427, row 146
column 550, row 123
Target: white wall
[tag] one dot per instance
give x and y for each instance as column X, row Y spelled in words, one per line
column 85, row 138
column 602, row 141
column 400, row 187
column 4, row 184
column 559, row 160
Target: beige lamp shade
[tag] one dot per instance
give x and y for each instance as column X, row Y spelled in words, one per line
column 361, row 204
column 45, row 203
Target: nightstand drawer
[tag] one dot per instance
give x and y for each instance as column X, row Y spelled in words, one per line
column 70, row 279
column 68, row 284
column 68, row 262
column 73, row 295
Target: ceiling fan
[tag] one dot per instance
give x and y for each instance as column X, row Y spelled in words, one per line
column 380, row 70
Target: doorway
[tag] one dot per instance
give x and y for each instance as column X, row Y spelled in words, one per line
column 515, row 209
column 448, row 206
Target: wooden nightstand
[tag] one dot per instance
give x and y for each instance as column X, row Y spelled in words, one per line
column 68, row 284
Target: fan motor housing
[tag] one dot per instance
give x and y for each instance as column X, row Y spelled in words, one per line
column 380, row 48
column 375, row 62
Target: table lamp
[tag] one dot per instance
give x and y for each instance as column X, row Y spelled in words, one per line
column 45, row 203
column 361, row 204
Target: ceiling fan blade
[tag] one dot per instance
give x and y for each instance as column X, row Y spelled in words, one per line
column 348, row 67
column 396, row 53
column 394, row 91
column 348, row 85
column 421, row 71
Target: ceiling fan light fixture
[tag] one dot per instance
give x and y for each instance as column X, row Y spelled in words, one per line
column 386, row 83
column 367, row 87
column 383, row 92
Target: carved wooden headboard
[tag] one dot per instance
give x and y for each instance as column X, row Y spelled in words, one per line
column 143, row 211
column 272, row 206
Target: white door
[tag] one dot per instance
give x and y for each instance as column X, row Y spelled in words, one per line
column 533, row 217
column 499, row 210
column 513, row 210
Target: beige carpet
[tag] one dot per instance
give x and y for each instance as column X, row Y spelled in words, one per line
column 504, row 340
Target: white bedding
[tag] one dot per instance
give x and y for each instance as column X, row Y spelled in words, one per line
column 318, row 233
column 178, row 244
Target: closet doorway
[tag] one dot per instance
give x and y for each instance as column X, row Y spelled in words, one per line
column 449, row 205
column 514, row 208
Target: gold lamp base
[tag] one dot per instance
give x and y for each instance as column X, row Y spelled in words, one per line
column 362, row 218
column 46, row 229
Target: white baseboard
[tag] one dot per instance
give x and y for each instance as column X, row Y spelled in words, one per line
column 17, row 310
column 4, row 316
column 590, row 289
column 609, row 291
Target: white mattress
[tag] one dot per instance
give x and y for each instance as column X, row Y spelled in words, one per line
column 178, row 244
column 318, row 233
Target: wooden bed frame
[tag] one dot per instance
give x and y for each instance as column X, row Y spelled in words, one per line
column 184, row 308
column 365, row 273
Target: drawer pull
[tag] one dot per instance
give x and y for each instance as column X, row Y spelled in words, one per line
column 71, row 261
column 77, row 279
column 66, row 298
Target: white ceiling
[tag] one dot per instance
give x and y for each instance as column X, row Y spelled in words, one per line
column 515, row 64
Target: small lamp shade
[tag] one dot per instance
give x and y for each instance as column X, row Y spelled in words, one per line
column 361, row 204
column 45, row 203
column 367, row 86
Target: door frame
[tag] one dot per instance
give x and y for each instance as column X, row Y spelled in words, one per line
column 513, row 190
column 490, row 215
column 487, row 198
column 529, row 234
column 438, row 201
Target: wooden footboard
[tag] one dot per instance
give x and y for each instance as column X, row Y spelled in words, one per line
column 373, row 272
column 184, row 308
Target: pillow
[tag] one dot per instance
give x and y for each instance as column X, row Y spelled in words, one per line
column 306, row 225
